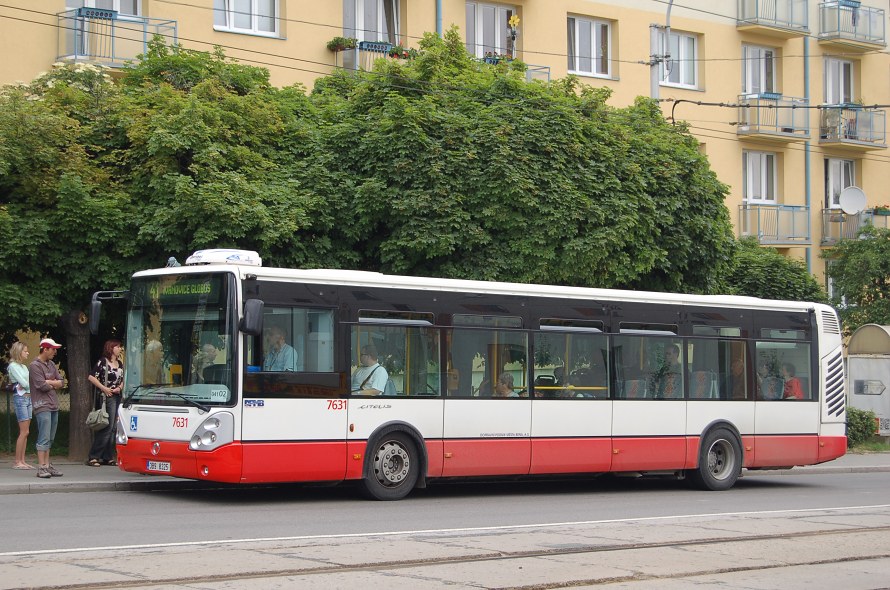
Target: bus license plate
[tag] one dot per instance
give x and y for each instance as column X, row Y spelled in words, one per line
column 158, row 466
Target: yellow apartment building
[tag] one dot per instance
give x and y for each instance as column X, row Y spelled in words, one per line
column 788, row 98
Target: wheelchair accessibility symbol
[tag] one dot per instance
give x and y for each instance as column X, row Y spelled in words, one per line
column 133, row 423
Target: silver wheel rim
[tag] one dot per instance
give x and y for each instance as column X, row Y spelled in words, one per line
column 721, row 459
column 391, row 464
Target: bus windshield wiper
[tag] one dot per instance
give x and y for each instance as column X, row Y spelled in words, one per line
column 187, row 400
column 128, row 401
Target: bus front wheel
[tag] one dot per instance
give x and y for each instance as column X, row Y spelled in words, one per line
column 719, row 461
column 393, row 467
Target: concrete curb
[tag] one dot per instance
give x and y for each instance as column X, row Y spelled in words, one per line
column 130, row 482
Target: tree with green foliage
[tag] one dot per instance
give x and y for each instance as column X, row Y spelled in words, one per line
column 763, row 272
column 444, row 166
column 860, row 271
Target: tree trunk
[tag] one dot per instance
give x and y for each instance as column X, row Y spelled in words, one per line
column 77, row 341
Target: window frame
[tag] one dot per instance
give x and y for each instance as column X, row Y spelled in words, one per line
column 767, row 181
column 760, row 66
column 502, row 44
column 229, row 13
column 839, row 81
column 682, row 61
column 354, row 14
column 838, row 169
column 575, row 57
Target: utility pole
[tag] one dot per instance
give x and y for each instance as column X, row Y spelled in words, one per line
column 658, row 52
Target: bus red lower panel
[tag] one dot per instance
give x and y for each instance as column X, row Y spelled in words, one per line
column 831, row 447
column 649, row 454
column 294, row 461
column 356, row 461
column 571, row 455
column 178, row 460
column 486, row 457
column 786, row 450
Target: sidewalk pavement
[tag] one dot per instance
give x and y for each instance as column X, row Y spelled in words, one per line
column 82, row 478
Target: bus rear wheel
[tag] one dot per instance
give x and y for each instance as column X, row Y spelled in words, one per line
column 719, row 461
column 393, row 468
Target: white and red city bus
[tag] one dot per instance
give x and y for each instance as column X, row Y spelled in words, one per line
column 481, row 379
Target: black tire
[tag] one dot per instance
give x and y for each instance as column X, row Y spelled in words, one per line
column 393, row 467
column 719, row 461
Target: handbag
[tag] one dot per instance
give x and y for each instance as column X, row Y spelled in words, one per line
column 98, row 418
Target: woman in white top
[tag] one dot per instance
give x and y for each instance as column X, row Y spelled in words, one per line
column 18, row 374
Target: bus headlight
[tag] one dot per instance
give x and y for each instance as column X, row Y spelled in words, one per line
column 120, row 433
column 217, row 430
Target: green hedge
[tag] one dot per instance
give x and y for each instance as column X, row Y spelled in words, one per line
column 860, row 426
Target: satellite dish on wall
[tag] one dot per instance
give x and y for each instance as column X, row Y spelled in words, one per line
column 852, row 200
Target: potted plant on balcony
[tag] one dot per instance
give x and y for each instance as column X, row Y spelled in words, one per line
column 342, row 43
column 882, row 210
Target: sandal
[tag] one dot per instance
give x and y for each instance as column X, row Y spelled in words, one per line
column 94, row 463
column 112, row 463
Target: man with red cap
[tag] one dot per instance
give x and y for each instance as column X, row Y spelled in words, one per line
column 45, row 381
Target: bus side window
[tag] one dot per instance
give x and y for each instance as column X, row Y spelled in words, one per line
column 408, row 356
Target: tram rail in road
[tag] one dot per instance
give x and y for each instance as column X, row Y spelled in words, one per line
column 780, row 549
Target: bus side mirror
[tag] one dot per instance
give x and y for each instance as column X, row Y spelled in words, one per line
column 95, row 310
column 252, row 321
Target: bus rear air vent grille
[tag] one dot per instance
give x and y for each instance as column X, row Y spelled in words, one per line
column 830, row 322
column 834, row 385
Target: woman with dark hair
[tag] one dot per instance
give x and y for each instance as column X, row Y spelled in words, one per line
column 108, row 379
column 792, row 389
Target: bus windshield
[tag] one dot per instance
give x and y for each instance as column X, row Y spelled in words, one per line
column 180, row 331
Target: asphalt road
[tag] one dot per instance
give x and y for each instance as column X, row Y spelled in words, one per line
column 768, row 532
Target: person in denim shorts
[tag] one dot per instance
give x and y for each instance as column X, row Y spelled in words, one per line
column 18, row 375
column 45, row 381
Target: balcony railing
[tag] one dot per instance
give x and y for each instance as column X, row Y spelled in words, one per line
column 773, row 114
column 846, row 20
column 780, row 14
column 854, row 125
column 107, row 37
column 837, row 225
column 879, row 219
column 775, row 224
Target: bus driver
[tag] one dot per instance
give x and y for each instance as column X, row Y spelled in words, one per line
column 370, row 378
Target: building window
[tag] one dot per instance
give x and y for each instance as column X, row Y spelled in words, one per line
column 759, row 71
column 839, row 174
column 372, row 20
column 682, row 67
column 759, row 180
column 123, row 7
column 488, row 30
column 838, row 81
column 258, row 17
column 589, row 46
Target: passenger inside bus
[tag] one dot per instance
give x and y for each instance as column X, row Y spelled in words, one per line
column 670, row 384
column 504, row 387
column 792, row 388
column 156, row 370
column 280, row 355
column 204, row 358
column 370, row 378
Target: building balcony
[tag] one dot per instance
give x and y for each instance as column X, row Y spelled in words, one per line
column 772, row 117
column 853, row 128
column 108, row 38
column 879, row 219
column 837, row 225
column 776, row 18
column 847, row 24
column 775, row 224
